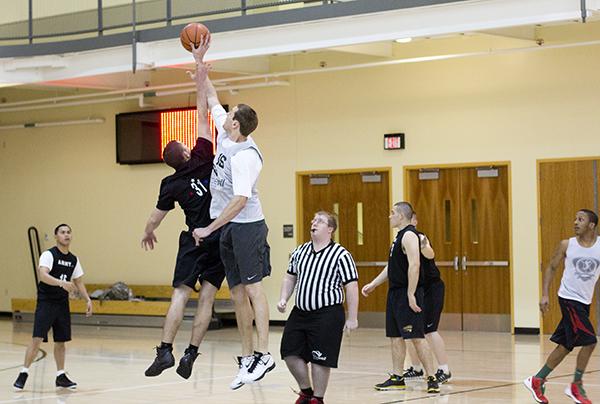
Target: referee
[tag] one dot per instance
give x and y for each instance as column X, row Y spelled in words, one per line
column 313, row 332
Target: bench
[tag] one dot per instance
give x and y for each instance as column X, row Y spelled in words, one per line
column 152, row 310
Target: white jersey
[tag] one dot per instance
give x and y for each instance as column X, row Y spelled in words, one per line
column 225, row 177
column 582, row 268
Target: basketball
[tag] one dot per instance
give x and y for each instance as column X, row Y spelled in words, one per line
column 192, row 33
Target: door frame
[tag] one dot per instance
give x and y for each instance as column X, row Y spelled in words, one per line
column 538, row 163
column 299, row 195
column 507, row 164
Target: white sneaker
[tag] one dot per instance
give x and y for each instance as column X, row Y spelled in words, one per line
column 261, row 364
column 244, row 363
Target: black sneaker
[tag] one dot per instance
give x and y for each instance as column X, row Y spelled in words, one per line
column 395, row 382
column 411, row 374
column 186, row 363
column 20, row 382
column 64, row 382
column 164, row 360
column 442, row 377
column 432, row 385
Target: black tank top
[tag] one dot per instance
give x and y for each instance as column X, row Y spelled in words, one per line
column 398, row 262
column 62, row 268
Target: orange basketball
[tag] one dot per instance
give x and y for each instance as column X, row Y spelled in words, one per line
column 192, row 33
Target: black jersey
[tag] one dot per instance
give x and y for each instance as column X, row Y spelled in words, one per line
column 189, row 186
column 431, row 273
column 398, row 262
column 62, row 268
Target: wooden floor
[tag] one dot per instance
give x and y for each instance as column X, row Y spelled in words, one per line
column 108, row 363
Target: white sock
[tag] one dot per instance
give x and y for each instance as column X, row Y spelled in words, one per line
column 60, row 372
column 418, row 368
column 25, row 370
column 445, row 368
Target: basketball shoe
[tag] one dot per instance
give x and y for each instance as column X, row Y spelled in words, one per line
column 577, row 393
column 412, row 374
column 432, row 385
column 21, row 380
column 442, row 377
column 164, row 360
column 394, row 382
column 186, row 363
column 536, row 386
column 62, row 381
column 244, row 363
column 260, row 366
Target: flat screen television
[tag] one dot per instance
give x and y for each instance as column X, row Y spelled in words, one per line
column 142, row 136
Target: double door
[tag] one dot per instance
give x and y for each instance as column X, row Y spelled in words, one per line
column 465, row 213
column 361, row 201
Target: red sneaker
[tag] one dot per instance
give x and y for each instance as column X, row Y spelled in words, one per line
column 303, row 398
column 314, row 400
column 536, row 386
column 577, row 393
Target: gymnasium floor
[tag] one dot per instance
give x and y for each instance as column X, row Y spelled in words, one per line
column 108, row 364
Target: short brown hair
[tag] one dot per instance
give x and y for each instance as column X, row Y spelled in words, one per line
column 331, row 218
column 173, row 154
column 247, row 119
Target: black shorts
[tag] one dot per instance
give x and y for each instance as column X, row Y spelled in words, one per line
column 434, row 304
column 245, row 252
column 198, row 263
column 53, row 314
column 315, row 336
column 400, row 320
column 575, row 328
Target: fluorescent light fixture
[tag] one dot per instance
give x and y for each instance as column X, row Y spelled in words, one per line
column 50, row 124
column 403, row 40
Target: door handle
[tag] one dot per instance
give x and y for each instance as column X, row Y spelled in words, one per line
column 456, row 263
column 464, row 263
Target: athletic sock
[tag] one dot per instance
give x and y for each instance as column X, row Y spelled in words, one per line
column 544, row 372
column 60, row 372
column 166, row 345
column 577, row 376
column 444, row 368
column 192, row 349
column 25, row 370
column 308, row 391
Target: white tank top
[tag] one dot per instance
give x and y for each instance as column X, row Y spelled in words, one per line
column 221, row 182
column 582, row 268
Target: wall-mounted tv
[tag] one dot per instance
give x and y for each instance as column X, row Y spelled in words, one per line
column 142, row 136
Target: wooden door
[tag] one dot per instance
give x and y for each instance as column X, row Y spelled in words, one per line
column 361, row 201
column 485, row 253
column 464, row 211
column 565, row 187
column 434, row 196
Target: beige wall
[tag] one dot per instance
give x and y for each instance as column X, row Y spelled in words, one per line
column 515, row 108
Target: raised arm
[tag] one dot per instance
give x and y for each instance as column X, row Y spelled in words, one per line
column 211, row 94
column 559, row 255
column 201, row 78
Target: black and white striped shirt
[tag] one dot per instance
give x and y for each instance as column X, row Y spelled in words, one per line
column 321, row 274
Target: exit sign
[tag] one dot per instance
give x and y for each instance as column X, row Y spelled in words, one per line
column 393, row 141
